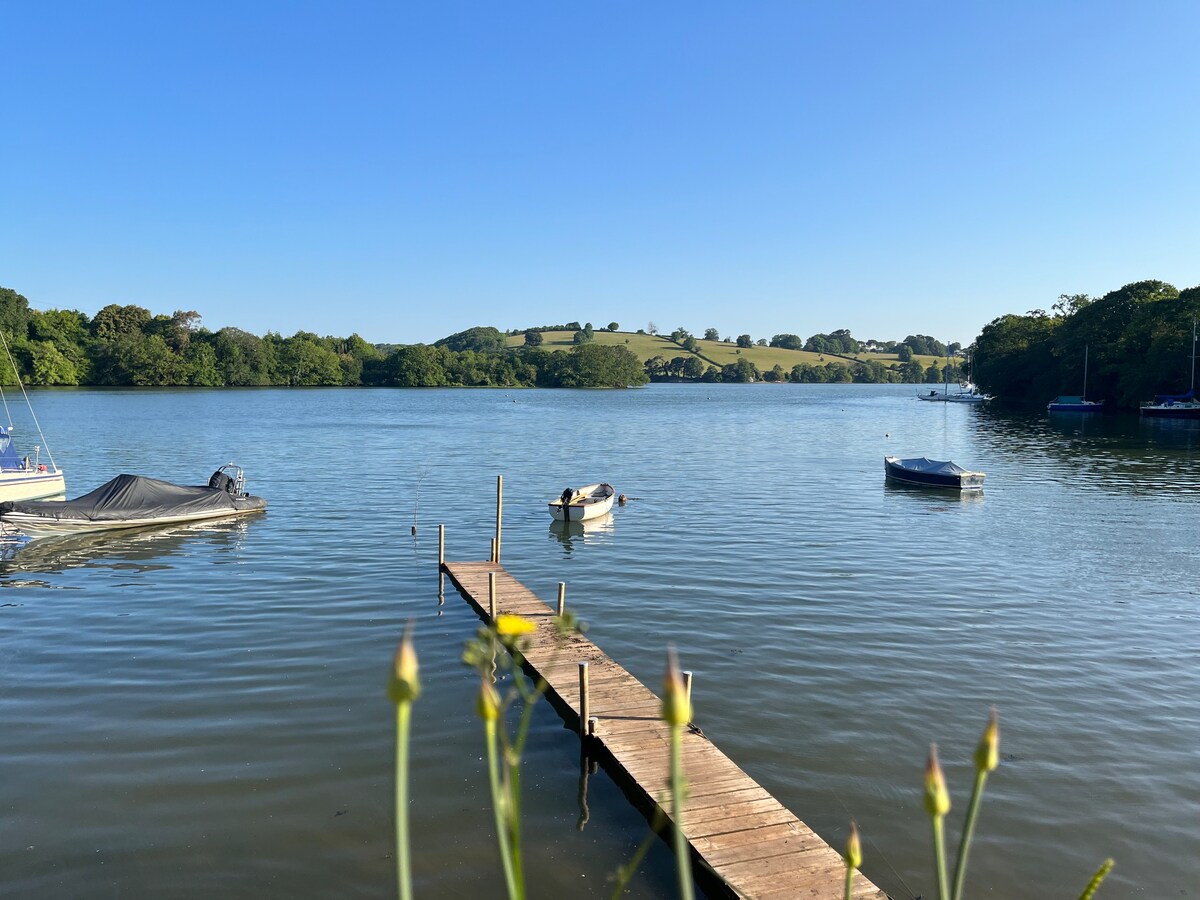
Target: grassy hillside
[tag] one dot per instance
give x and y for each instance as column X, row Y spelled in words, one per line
column 718, row 353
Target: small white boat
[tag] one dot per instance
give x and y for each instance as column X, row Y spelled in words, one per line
column 24, row 477
column 581, row 504
column 131, row 501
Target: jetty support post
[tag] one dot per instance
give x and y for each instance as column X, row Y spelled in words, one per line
column 499, row 512
column 492, row 596
column 583, row 700
column 687, row 688
column 441, row 545
column 562, row 598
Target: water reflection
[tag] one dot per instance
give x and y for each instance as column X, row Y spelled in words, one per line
column 138, row 549
column 932, row 498
column 577, row 534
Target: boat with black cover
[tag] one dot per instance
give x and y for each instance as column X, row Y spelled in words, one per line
column 932, row 473
column 133, row 501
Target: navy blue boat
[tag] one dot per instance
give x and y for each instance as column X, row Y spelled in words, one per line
column 932, row 473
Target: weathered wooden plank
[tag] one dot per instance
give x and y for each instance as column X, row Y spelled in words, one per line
column 748, row 843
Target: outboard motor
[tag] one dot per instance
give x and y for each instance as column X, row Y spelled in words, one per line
column 565, row 499
column 220, row 481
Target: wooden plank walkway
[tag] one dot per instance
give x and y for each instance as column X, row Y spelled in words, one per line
column 744, row 842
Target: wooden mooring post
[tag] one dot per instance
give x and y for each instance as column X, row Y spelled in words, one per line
column 742, row 841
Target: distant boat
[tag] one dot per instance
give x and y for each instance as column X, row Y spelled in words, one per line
column 23, row 477
column 580, row 504
column 965, row 392
column 932, row 473
column 1072, row 403
column 131, row 501
column 1177, row 406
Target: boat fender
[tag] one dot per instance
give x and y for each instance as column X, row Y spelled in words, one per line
column 42, row 467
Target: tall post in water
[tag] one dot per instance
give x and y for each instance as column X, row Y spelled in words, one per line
column 492, row 595
column 499, row 511
column 562, row 598
column 584, row 713
column 441, row 545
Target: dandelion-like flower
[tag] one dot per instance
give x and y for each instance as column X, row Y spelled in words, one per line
column 487, row 704
column 987, row 754
column 508, row 625
column 676, row 707
column 853, row 855
column 937, row 798
column 405, row 683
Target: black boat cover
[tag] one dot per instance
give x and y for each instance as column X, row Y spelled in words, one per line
column 134, row 497
column 931, row 466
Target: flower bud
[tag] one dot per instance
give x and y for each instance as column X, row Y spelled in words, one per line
column 987, row 754
column 937, row 799
column 487, row 704
column 676, row 707
column 405, row 685
column 853, row 855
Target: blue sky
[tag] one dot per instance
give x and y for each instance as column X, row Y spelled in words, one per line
column 408, row 170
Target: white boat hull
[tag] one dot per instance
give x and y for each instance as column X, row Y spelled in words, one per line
column 594, row 501
column 31, row 485
column 40, row 527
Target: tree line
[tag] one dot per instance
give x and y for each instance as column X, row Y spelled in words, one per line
column 1138, row 341
column 128, row 345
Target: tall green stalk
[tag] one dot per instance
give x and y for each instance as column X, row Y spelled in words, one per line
column 404, row 687
column 677, row 712
column 937, row 804
column 488, row 707
column 987, row 758
column 403, row 852
column 1097, row 879
column 853, row 858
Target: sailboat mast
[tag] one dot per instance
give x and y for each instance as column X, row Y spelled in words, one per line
column 1085, row 356
column 1192, row 386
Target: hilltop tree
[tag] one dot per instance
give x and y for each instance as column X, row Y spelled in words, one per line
column 613, row 326
column 711, row 334
column 743, row 340
column 533, row 339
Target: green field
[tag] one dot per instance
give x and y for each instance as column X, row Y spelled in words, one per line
column 718, row 353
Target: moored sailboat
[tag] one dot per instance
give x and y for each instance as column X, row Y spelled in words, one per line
column 1177, row 406
column 26, row 477
column 1072, row 403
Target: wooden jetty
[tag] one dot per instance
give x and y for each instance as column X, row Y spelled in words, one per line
column 744, row 842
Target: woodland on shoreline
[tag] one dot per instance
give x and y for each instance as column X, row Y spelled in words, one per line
column 1138, row 341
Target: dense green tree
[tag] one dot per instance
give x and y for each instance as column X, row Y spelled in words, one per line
column 51, row 366
column 788, row 341
column 711, row 334
column 743, row 340
column 482, row 338
column 693, row 367
column 743, row 371
column 614, row 326
column 533, row 339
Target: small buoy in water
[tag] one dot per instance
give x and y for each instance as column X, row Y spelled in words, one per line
column 622, row 500
column 887, row 434
column 414, row 531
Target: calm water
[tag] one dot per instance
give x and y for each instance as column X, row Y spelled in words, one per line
column 202, row 713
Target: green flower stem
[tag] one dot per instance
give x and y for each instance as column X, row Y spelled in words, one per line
column 625, row 873
column 683, row 861
column 939, row 856
column 849, row 880
column 1097, row 879
column 403, row 851
column 499, row 807
column 964, row 846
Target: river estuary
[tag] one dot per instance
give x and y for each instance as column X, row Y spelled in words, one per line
column 203, row 713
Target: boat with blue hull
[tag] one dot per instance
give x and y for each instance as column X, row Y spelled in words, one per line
column 1177, row 406
column 932, row 473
